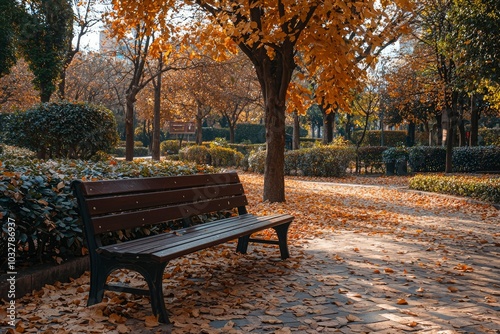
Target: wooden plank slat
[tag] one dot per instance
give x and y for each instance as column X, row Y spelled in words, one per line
column 111, row 204
column 126, row 220
column 150, row 184
column 178, row 245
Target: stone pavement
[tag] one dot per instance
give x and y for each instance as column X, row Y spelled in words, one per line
column 437, row 272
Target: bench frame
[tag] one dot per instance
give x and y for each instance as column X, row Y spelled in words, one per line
column 112, row 205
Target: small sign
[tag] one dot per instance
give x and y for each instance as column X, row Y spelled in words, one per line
column 181, row 127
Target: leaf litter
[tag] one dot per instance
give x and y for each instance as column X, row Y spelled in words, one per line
column 390, row 238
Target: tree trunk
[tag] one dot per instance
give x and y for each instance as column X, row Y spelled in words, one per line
column 410, row 139
column 296, row 131
column 129, row 128
column 474, row 122
column 328, row 127
column 155, row 149
column 199, row 125
column 231, row 132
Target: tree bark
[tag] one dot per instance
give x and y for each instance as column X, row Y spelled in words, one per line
column 329, row 125
column 296, row 132
column 129, row 128
column 474, row 121
column 155, row 149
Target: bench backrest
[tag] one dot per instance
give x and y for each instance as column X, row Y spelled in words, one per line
column 113, row 205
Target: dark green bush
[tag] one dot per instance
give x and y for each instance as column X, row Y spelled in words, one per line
column 209, row 134
column 329, row 161
column 476, row 159
column 37, row 195
column 256, row 133
column 62, row 130
column 474, row 187
column 427, row 158
column 372, row 138
column 371, row 157
column 138, row 151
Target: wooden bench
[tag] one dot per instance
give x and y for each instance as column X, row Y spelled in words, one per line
column 114, row 205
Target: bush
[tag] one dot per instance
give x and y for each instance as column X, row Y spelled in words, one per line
column 395, row 154
column 209, row 134
column 138, row 151
column 427, row 158
column 474, row 187
column 371, row 157
column 256, row 133
column 476, row 159
column 37, row 195
column 224, row 156
column 63, row 130
column 328, row 161
column 195, row 153
column 169, row 147
column 257, row 161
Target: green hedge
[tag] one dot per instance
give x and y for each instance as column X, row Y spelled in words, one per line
column 427, row 158
column 217, row 156
column 370, row 157
column 37, row 195
column 476, row 159
column 62, row 130
column 138, row 151
column 474, row 187
column 372, row 138
column 328, row 161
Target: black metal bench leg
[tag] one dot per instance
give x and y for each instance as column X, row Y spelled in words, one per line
column 282, row 232
column 154, row 277
column 98, row 274
column 243, row 244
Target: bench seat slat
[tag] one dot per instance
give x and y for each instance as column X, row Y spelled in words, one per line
column 167, row 240
column 179, row 245
column 133, row 219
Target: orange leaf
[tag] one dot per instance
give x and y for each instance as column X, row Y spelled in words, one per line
column 402, row 301
column 388, row 270
column 452, row 289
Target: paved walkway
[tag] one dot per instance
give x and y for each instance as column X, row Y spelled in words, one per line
column 381, row 260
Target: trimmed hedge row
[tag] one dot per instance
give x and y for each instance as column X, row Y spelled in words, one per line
column 479, row 188
column 217, row 156
column 37, row 195
column 329, row 161
column 465, row 159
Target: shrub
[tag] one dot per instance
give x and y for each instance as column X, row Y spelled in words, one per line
column 169, row 147
column 209, row 134
column 321, row 161
column 224, row 156
column 371, row 157
column 256, row 133
column 37, row 195
column 63, row 130
column 138, row 151
column 195, row 153
column 427, row 158
column 394, row 154
column 476, row 159
column 257, row 161
column 474, row 187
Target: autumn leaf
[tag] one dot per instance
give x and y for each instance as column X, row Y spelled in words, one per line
column 452, row 289
column 389, row 270
column 402, row 302
column 151, row 321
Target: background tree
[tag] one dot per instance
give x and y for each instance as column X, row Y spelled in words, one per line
column 8, row 10
column 16, row 90
column 44, row 33
column 85, row 17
